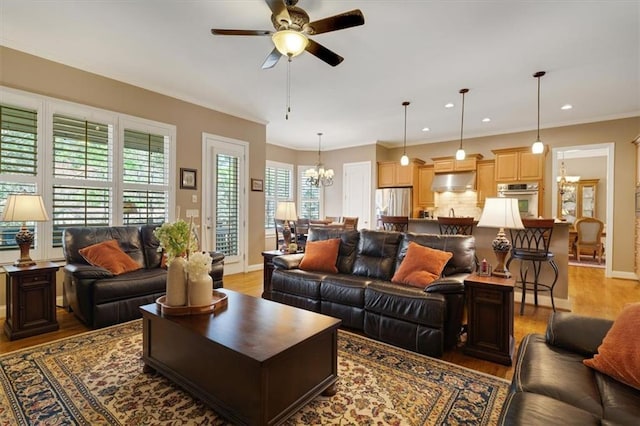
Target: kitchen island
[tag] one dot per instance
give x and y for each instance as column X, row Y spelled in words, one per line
column 559, row 247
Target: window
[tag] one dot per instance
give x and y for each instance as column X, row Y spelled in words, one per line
column 227, row 202
column 278, row 186
column 92, row 167
column 309, row 196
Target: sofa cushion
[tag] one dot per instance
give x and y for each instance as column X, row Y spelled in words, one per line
column 321, row 256
column 421, row 266
column 405, row 303
column 150, row 244
column 463, row 248
column 620, row 403
column 133, row 284
column 556, row 373
column 348, row 245
column 619, row 354
column 297, row 282
column 109, row 255
column 128, row 238
column 344, row 289
column 524, row 408
column 376, row 254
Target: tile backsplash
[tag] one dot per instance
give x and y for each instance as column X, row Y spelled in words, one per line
column 463, row 204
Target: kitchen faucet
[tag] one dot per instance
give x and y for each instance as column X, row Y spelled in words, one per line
column 452, row 212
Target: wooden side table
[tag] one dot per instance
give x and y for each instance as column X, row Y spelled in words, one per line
column 267, row 271
column 490, row 318
column 31, row 300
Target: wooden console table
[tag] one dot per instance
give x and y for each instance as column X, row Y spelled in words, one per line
column 490, row 318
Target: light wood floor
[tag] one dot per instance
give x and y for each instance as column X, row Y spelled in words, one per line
column 590, row 293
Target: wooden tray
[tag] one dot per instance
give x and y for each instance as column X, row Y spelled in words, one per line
column 218, row 301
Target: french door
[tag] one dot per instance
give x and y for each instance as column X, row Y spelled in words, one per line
column 224, row 200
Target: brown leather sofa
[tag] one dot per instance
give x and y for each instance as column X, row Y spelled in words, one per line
column 362, row 295
column 551, row 385
column 99, row 298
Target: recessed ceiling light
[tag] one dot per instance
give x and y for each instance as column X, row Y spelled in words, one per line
column 425, row 129
column 486, row 120
column 566, row 107
column 449, row 105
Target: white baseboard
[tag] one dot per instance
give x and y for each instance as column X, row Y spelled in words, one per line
column 543, row 300
column 624, row 275
column 257, row 267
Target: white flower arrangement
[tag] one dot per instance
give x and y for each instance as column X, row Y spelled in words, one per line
column 199, row 263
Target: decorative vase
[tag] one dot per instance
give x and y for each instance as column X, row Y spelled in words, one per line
column 177, row 282
column 200, row 289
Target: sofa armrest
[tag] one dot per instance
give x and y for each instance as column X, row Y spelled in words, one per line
column 86, row 271
column 288, row 261
column 576, row 333
column 445, row 286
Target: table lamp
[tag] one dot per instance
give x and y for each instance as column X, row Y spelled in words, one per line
column 24, row 208
column 286, row 211
column 501, row 213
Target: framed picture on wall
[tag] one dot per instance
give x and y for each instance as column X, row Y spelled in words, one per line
column 188, row 178
column 257, row 185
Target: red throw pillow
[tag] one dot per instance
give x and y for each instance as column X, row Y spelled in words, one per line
column 421, row 266
column 321, row 256
column 619, row 354
column 109, row 255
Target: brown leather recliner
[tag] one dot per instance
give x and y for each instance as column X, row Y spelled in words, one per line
column 99, row 298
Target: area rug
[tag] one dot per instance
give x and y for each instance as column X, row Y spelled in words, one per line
column 96, row 378
column 588, row 262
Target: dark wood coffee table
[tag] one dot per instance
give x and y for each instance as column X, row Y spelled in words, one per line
column 255, row 362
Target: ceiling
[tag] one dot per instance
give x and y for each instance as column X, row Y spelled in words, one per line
column 420, row 51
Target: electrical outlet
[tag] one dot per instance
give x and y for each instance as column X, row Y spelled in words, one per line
column 194, row 198
column 192, row 213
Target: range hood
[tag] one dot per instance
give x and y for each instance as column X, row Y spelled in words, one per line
column 461, row 181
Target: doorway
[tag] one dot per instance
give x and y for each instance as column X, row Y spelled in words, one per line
column 224, row 200
column 356, row 192
column 601, row 154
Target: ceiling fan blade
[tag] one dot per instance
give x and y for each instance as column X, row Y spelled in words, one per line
column 323, row 53
column 279, row 10
column 216, row 31
column 272, row 59
column 353, row 18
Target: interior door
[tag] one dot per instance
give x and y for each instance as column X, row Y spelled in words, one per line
column 356, row 191
column 224, row 200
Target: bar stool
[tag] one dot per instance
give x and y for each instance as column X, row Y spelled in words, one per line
column 395, row 223
column 455, row 225
column 531, row 244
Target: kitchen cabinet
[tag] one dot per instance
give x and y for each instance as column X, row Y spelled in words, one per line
column 579, row 199
column 486, row 181
column 392, row 174
column 425, row 195
column 519, row 164
column 450, row 164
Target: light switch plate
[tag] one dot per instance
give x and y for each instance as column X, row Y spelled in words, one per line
column 193, row 213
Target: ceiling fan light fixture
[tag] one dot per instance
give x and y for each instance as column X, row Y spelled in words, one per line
column 290, row 42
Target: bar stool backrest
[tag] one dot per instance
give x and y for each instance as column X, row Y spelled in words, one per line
column 535, row 238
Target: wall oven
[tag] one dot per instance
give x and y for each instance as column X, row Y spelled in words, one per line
column 526, row 194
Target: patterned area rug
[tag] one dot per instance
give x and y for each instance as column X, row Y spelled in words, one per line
column 96, row 378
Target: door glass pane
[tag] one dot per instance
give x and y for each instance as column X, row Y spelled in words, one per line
column 227, row 204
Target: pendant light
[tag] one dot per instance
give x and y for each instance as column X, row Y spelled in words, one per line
column 460, row 154
column 404, row 160
column 538, row 146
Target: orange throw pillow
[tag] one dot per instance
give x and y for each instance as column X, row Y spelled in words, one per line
column 619, row 354
column 421, row 266
column 321, row 256
column 109, row 255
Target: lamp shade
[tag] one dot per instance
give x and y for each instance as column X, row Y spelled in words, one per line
column 501, row 213
column 286, row 210
column 24, row 208
column 289, row 42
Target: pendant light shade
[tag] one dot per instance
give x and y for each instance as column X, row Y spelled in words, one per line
column 460, row 154
column 404, row 160
column 538, row 146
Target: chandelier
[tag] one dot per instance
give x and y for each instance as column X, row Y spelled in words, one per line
column 319, row 176
column 564, row 181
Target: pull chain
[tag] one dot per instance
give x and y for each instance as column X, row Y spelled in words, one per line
column 288, row 88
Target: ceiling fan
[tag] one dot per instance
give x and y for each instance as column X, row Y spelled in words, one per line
column 293, row 28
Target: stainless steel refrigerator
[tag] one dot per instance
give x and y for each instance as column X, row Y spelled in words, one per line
column 393, row 202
